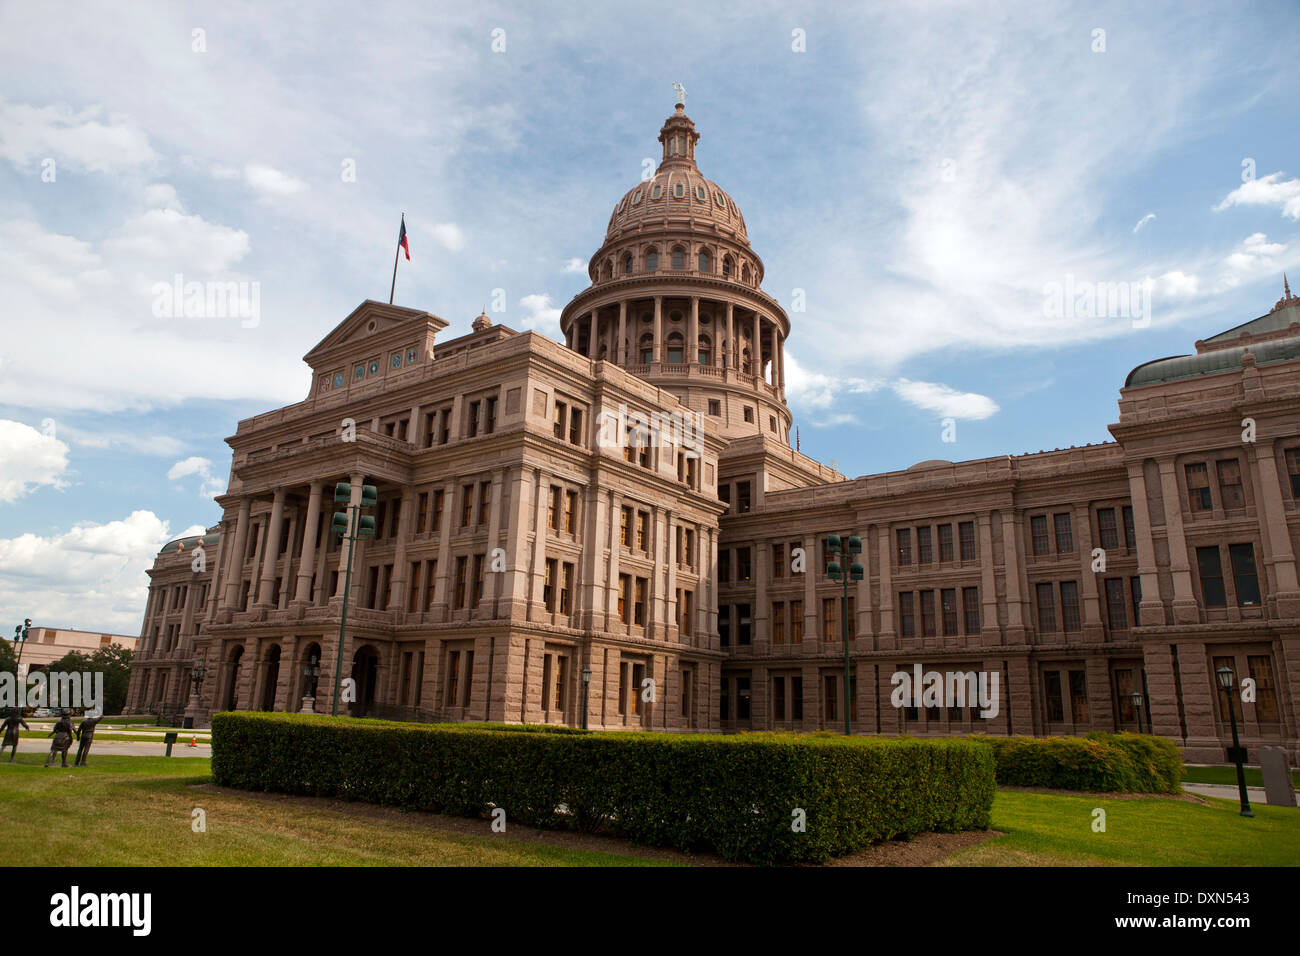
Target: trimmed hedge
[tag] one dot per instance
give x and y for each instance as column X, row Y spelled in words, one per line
column 734, row 795
column 1099, row 762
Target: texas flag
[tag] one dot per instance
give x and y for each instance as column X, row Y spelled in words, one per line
column 401, row 239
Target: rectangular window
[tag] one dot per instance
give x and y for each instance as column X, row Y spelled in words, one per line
column 471, row 421
column 948, row 598
column 624, row 598
column 1243, row 574
column 557, row 419
column 430, row 578
column 744, row 626
column 1115, row 614
column 1064, row 534
column 724, row 624
column 966, row 532
column 548, row 584
column 461, row 565
column 421, row 513
column 924, row 547
column 1079, row 698
column 466, row 505
column 1230, row 492
column 477, row 594
column 1198, row 487
column 830, row 619
column 642, row 531
column 970, row 605
column 553, row 508
column 435, row 522
column 490, row 415
column 742, row 497
column 453, row 677
column 625, row 527
column 724, row 565
column 1211, row 568
column 1130, row 535
column 444, row 426
column 715, row 407
column 687, row 610
column 778, row 622
column 743, row 566
column 1070, row 606
column 413, row 588
column 945, row 542
column 778, row 698
column 778, row 561
column 546, row 681
column 639, row 608
column 688, row 684
column 622, row 689
column 1135, row 592
column 796, row 622
column 927, row 614
column 904, row 546
column 1055, row 704
column 484, row 500
column 561, row 681
column 906, row 615
column 831, row 697
column 1046, row 609
column 1038, row 530
column 1124, row 688
column 725, row 699
column 796, row 698
column 570, row 512
column 1261, row 671
column 1293, row 471
column 575, row 427
column 1107, row 530
column 742, row 698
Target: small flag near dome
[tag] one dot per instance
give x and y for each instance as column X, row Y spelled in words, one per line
column 401, row 239
column 402, row 246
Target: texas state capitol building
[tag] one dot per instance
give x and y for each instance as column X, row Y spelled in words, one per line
column 673, row 562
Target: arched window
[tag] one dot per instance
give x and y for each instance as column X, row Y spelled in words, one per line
column 675, row 349
column 679, row 191
column 704, row 262
column 745, row 363
column 627, row 265
column 656, row 192
column 679, row 258
column 745, row 275
column 726, row 267
column 706, row 351
column 609, row 269
column 647, row 349
column 652, row 261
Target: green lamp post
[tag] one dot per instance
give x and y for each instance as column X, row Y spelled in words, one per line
column 350, row 525
column 855, row 572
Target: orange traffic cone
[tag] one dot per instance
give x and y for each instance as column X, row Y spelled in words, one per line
column 194, row 740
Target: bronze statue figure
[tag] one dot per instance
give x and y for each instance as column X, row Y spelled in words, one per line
column 11, row 724
column 85, row 736
column 62, row 734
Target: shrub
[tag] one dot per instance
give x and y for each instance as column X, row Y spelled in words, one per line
column 734, row 795
column 1099, row 762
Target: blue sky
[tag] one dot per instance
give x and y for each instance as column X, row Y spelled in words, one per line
column 923, row 173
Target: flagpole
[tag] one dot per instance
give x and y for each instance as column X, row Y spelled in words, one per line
column 396, row 252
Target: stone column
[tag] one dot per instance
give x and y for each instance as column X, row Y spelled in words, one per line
column 887, row 638
column 235, row 563
column 659, row 329
column 1186, row 610
column 271, row 548
column 397, row 585
column 441, row 600
column 780, row 361
column 536, row 608
column 759, row 613
column 1150, row 609
column 593, row 349
column 307, row 560
column 811, row 612
column 693, row 332
column 757, row 352
column 610, row 621
column 516, row 583
column 990, row 630
column 1090, row 609
column 621, row 344
column 729, row 360
column 1279, row 557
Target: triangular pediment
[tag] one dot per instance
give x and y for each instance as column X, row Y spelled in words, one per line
column 370, row 321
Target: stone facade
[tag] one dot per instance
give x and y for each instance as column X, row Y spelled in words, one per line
column 526, row 536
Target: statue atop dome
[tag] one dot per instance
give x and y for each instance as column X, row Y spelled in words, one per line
column 681, row 93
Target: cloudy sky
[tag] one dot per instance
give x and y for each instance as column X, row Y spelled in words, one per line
column 925, row 178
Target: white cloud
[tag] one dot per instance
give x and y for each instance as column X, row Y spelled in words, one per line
column 209, row 487
column 1270, row 190
column 1143, row 221
column 269, row 181
column 90, row 577
column 1177, row 283
column 140, row 442
column 944, row 400
column 29, row 459
column 1255, row 257
column 575, row 265
column 171, row 240
column 29, row 135
column 541, row 316
column 446, row 234
column 162, row 196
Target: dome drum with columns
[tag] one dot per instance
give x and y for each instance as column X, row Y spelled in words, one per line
column 675, row 297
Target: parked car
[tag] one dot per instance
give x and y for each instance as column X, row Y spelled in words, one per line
column 43, row 712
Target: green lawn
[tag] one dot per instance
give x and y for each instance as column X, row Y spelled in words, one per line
column 1056, row 830
column 1228, row 774
column 137, row 811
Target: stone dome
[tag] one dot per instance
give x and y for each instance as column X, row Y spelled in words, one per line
column 678, row 194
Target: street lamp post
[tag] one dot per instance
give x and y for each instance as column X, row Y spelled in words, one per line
column 20, row 641
column 586, row 685
column 1137, row 706
column 349, row 525
column 1226, row 681
column 856, row 572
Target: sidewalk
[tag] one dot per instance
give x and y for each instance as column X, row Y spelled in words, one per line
column 1228, row 792
column 28, row 744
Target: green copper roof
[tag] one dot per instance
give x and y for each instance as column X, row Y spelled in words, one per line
column 1221, row 360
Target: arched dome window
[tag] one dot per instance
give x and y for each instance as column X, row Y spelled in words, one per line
column 609, row 269
column 656, row 192
column 706, row 351
column 647, row 349
column 704, row 262
column 679, row 191
column 746, row 365
column 745, row 274
column 627, row 265
column 727, row 267
column 679, row 258
column 675, row 349
column 700, row 194
column 652, row 261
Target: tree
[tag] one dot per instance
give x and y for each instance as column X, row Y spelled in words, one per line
column 113, row 661
column 8, row 660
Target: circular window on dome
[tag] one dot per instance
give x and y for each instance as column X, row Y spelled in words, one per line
column 397, row 360
column 374, row 368
column 636, row 197
column 718, row 198
column 338, row 379
column 701, row 194
column 679, row 190
column 656, row 192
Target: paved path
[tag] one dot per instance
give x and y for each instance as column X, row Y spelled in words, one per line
column 1227, row 791
column 29, row 743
